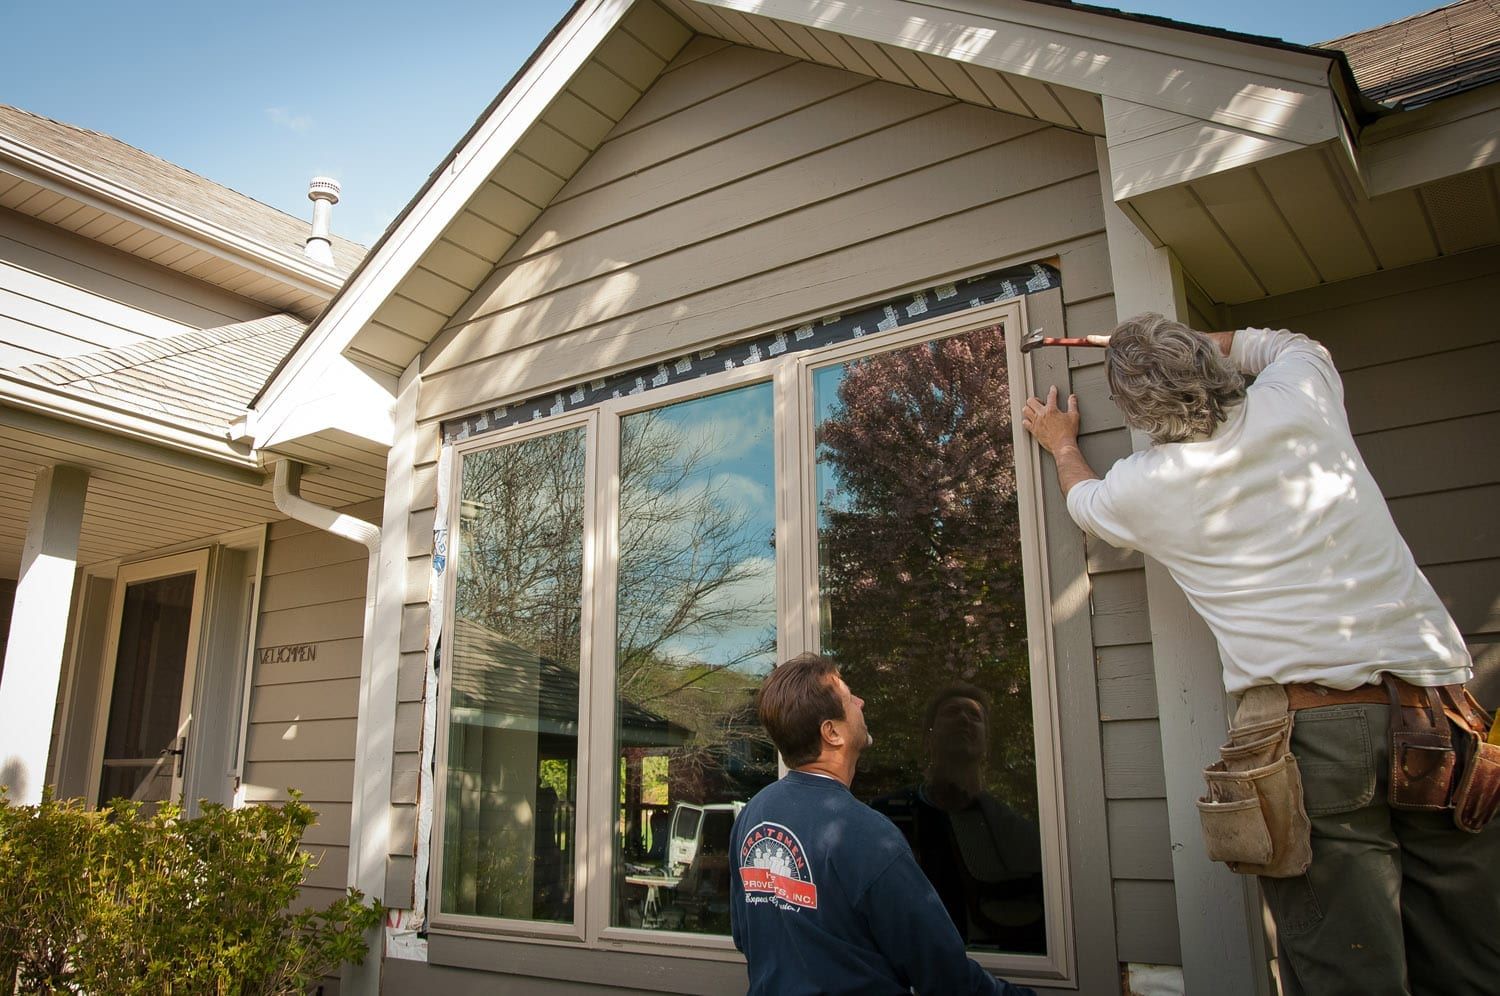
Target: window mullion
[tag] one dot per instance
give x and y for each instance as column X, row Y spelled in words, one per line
column 792, row 535
column 599, row 707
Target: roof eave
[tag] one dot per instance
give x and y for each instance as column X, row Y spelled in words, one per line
column 1305, row 71
column 38, row 408
column 47, row 170
column 357, row 279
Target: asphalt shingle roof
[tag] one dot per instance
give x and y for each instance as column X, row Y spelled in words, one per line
column 170, row 184
column 1426, row 56
column 204, row 378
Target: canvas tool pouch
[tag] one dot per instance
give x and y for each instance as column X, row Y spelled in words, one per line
column 1253, row 817
column 1424, row 760
column 1476, row 797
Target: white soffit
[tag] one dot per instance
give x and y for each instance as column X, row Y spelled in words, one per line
column 1264, row 90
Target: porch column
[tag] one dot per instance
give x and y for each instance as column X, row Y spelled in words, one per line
column 38, row 629
column 1218, row 912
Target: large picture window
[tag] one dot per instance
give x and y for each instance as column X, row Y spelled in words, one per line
column 624, row 576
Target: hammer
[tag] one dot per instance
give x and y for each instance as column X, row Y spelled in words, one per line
column 1034, row 338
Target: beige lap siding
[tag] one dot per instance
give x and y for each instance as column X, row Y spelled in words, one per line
column 62, row 294
column 746, row 192
column 1419, row 352
column 303, row 711
column 750, row 204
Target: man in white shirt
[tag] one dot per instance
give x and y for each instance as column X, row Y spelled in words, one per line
column 1257, row 502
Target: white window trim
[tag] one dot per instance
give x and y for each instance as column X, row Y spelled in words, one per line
column 797, row 631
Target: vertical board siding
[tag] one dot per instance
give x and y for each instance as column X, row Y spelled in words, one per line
column 62, row 295
column 303, row 713
column 1419, row 352
column 820, row 190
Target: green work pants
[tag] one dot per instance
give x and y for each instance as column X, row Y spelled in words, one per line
column 1395, row 901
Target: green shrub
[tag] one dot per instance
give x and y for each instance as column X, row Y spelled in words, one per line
column 117, row 902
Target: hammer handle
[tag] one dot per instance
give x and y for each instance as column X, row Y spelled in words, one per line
column 1031, row 344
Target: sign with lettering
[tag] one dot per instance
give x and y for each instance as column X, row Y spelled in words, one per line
column 292, row 653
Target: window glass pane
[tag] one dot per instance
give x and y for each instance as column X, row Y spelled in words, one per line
column 512, row 777
column 923, row 604
column 696, row 634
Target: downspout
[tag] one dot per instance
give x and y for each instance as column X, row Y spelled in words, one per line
column 283, row 489
column 368, row 830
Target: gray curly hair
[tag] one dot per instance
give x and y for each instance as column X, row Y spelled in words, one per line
column 1169, row 381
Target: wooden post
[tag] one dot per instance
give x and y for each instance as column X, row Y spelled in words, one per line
column 1222, row 944
column 39, row 626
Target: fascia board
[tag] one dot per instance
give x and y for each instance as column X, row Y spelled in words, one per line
column 116, row 421
column 1179, row 71
column 423, row 224
column 55, row 174
column 1436, row 141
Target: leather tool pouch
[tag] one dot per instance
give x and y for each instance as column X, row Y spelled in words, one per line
column 1253, row 817
column 1424, row 759
column 1476, row 798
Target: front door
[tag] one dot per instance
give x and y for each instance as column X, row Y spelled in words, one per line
column 151, row 660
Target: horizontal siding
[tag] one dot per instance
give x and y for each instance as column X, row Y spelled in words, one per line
column 1419, row 353
column 303, row 714
column 790, row 195
column 62, row 295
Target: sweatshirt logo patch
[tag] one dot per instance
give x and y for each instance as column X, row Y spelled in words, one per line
column 773, row 869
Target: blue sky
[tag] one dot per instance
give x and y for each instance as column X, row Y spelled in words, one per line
column 262, row 96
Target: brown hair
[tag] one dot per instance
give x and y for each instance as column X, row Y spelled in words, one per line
column 1170, row 382
column 793, row 702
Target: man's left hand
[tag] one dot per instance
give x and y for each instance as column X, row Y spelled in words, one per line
column 1052, row 427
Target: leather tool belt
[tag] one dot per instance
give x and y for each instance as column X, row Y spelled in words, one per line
column 1440, row 758
column 1254, row 818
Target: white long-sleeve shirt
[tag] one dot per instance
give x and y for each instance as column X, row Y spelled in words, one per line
column 1279, row 536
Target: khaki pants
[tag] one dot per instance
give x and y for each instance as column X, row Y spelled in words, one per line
column 1394, row 902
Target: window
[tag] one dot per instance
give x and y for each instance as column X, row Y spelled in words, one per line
column 625, row 575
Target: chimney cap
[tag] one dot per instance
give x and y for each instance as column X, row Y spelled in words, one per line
column 323, row 188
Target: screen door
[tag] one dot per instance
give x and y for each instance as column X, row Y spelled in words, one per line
column 146, row 732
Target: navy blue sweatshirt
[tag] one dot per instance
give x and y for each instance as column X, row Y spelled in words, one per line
column 825, row 897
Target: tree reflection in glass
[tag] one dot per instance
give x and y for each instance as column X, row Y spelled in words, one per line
column 512, row 775
column 696, row 633
column 923, row 604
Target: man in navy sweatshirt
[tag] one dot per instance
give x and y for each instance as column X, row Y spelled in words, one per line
column 825, row 896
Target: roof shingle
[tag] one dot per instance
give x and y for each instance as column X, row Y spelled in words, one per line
column 1426, row 56
column 203, row 379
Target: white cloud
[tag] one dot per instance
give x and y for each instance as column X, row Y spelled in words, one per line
column 286, row 119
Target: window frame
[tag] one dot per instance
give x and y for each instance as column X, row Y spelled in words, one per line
column 572, row 932
column 1056, row 965
column 797, row 624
